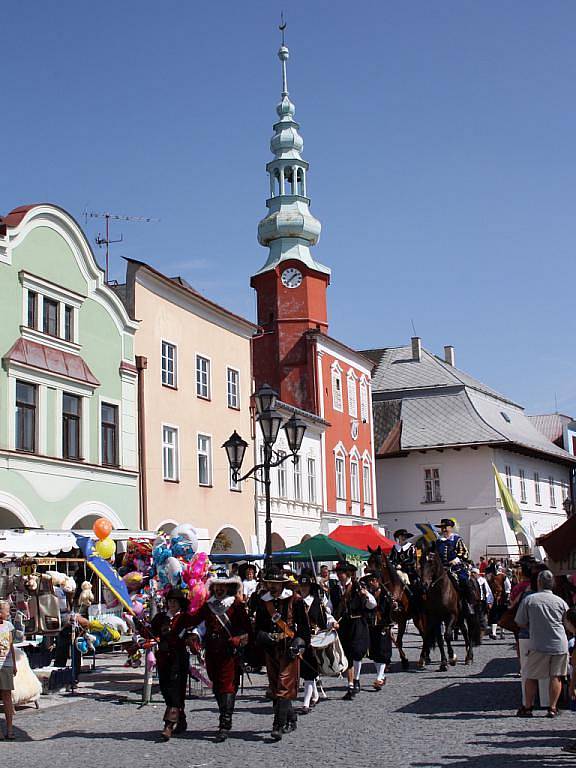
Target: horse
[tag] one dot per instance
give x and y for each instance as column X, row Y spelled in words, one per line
column 402, row 607
column 443, row 604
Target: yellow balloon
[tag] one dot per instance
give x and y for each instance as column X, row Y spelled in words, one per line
column 106, row 548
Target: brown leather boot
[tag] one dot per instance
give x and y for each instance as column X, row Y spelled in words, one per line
column 170, row 719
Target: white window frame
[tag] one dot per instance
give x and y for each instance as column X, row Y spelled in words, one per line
column 208, row 455
column 340, row 461
column 336, row 380
column 432, row 483
column 523, row 497
column 208, row 373
column 297, row 477
column 508, row 473
column 364, row 401
column 165, row 344
column 282, row 477
column 552, row 492
column 351, row 379
column 354, row 479
column 311, row 463
column 367, row 481
column 231, row 404
column 537, row 493
column 174, row 446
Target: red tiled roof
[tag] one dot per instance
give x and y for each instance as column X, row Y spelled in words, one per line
column 45, row 358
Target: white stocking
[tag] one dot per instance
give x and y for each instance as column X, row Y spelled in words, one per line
column 381, row 671
column 493, row 628
column 357, row 669
column 308, row 691
column 315, row 694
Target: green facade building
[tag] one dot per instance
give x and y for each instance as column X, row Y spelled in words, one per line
column 68, row 381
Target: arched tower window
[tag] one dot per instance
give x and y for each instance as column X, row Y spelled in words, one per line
column 300, row 188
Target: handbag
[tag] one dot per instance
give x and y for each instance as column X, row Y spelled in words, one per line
column 44, row 610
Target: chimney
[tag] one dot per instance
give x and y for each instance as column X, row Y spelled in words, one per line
column 416, row 349
column 449, row 354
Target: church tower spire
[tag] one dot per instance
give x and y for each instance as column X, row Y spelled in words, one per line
column 291, row 286
column 289, row 229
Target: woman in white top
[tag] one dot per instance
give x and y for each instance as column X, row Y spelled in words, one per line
column 7, row 666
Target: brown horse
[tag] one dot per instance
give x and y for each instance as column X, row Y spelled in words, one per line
column 496, row 582
column 402, row 607
column 443, row 605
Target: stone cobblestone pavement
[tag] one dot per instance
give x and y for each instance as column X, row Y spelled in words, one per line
column 421, row 719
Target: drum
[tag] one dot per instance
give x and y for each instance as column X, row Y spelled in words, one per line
column 324, row 638
column 329, row 654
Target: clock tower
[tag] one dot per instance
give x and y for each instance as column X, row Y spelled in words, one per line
column 291, row 286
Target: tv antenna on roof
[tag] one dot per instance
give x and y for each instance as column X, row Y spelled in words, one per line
column 105, row 240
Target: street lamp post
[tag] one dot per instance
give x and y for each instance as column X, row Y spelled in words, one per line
column 270, row 421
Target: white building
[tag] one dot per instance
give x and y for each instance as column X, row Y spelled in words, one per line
column 438, row 432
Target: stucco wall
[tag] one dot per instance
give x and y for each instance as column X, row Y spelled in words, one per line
column 46, row 489
column 170, row 317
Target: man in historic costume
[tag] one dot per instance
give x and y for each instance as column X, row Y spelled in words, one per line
column 454, row 556
column 379, row 624
column 282, row 629
column 351, row 603
column 170, row 627
column 319, row 618
column 227, row 631
column 403, row 556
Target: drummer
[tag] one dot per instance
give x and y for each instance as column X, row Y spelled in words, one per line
column 320, row 619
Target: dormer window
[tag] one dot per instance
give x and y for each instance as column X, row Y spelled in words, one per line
column 50, row 317
column 49, row 310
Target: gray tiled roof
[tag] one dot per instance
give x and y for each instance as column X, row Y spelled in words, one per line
column 441, row 406
column 443, row 420
column 551, row 424
column 395, row 370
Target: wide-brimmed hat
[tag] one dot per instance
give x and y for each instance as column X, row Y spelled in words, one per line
column 447, row 521
column 402, row 532
column 177, row 594
column 275, row 574
column 307, row 576
column 244, row 567
column 233, row 583
column 345, row 566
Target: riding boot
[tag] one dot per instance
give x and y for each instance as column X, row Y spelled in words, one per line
column 291, row 719
column 182, row 723
column 229, row 702
column 280, row 718
column 222, row 732
column 171, row 716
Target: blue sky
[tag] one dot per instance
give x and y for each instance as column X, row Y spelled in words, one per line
column 440, row 135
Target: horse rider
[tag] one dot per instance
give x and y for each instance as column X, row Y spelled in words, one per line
column 454, row 556
column 283, row 630
column 351, row 603
column 403, row 556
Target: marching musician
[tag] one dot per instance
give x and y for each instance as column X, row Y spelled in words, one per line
column 282, row 629
column 379, row 623
column 228, row 630
column 351, row 602
column 319, row 619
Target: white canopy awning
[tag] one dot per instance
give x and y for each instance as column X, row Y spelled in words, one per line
column 40, row 543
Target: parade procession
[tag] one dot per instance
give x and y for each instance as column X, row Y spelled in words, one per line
column 287, row 459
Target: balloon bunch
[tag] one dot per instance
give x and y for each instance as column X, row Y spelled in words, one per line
column 176, row 564
column 105, row 546
column 194, row 576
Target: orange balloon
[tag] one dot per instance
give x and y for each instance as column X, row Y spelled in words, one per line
column 102, row 528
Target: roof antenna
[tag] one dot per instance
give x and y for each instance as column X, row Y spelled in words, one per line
column 413, row 327
column 556, row 401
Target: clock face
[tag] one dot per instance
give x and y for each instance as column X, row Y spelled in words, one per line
column 291, row 277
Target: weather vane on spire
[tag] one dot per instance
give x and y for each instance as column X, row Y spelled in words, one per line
column 283, row 55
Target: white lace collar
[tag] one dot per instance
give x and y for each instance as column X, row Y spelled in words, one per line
column 402, row 547
column 284, row 595
column 225, row 602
